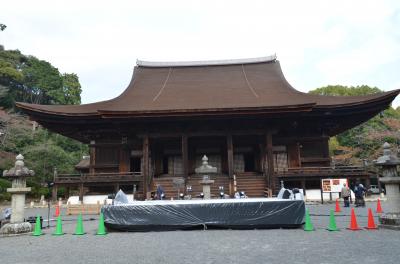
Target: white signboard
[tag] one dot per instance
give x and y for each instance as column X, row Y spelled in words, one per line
column 333, row 185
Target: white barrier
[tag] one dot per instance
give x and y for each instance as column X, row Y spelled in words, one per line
column 315, row 195
column 93, row 199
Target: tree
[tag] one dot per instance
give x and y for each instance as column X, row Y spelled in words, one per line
column 11, row 77
column 369, row 136
column 42, row 82
column 42, row 149
column 28, row 79
column 340, row 90
column 71, row 88
column 2, row 27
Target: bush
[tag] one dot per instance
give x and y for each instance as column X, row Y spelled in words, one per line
column 4, row 195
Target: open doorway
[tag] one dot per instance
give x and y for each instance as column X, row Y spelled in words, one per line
column 136, row 164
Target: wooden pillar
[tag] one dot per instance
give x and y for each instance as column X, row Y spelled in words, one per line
column 322, row 193
column 67, row 192
column 124, row 159
column 185, row 156
column 191, row 157
column 325, row 143
column 81, row 192
column 145, row 165
column 294, row 155
column 55, row 187
column 54, row 193
column 229, row 144
column 367, row 182
column 270, row 161
column 303, row 186
column 116, row 187
column 92, row 153
column 158, row 156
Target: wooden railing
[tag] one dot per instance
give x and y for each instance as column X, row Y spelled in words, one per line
column 99, row 177
column 322, row 171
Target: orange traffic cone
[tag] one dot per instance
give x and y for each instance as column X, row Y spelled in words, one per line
column 371, row 222
column 353, row 221
column 337, row 209
column 57, row 213
column 379, row 207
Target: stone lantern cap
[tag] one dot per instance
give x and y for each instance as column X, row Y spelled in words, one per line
column 388, row 158
column 19, row 170
column 205, row 167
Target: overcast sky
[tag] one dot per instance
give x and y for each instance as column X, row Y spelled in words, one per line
column 317, row 42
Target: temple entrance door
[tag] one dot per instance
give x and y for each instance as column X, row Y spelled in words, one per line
column 249, row 162
column 136, row 164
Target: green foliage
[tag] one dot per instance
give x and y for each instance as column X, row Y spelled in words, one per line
column 4, row 195
column 43, row 151
column 4, row 184
column 339, row 90
column 27, row 79
column 71, row 89
column 369, row 136
column 333, row 145
column 392, row 113
column 42, row 82
column 11, row 77
column 17, row 139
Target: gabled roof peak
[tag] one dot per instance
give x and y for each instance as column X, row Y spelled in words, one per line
column 205, row 63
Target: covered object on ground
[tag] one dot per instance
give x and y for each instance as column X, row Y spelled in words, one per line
column 196, row 214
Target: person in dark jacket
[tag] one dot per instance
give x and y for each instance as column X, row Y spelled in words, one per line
column 359, row 193
column 160, row 192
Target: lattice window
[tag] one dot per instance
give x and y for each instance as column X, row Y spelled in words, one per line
column 175, row 165
column 238, row 163
column 107, row 155
column 151, row 165
column 280, row 161
column 312, row 149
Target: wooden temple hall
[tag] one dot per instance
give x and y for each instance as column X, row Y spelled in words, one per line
column 252, row 125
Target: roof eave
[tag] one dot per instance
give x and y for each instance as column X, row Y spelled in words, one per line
column 388, row 97
column 158, row 64
column 30, row 108
column 206, row 112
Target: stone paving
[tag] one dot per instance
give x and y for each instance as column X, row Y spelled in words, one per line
column 210, row 246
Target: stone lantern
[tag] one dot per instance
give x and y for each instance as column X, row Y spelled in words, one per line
column 18, row 190
column 206, row 182
column 388, row 163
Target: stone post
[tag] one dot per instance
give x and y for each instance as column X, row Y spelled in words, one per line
column 18, row 190
column 388, row 163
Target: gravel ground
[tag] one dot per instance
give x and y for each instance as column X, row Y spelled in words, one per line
column 211, row 246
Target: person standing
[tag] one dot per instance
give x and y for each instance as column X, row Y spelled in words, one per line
column 346, row 195
column 160, row 192
column 360, row 191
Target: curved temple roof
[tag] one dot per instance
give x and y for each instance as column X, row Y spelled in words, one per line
column 186, row 88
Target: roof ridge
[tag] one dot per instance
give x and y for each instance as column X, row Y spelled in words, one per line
column 205, row 62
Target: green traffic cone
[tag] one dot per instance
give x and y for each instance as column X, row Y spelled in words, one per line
column 38, row 230
column 332, row 223
column 79, row 226
column 101, row 231
column 308, row 225
column 59, row 231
